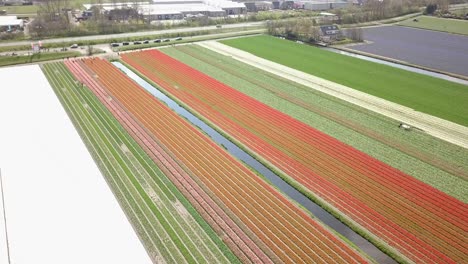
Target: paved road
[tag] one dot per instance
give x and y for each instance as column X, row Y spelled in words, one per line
column 443, row 129
column 133, row 34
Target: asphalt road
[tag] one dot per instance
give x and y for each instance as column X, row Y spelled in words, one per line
column 432, row 49
column 132, row 34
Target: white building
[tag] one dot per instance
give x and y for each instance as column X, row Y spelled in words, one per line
column 10, row 23
column 179, row 9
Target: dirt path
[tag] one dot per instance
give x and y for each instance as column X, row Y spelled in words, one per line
column 437, row 127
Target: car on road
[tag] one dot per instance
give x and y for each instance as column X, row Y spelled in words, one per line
column 157, row 41
column 136, row 42
column 115, row 44
column 74, row 46
column 125, row 43
column 166, row 40
column 146, row 42
column 179, row 38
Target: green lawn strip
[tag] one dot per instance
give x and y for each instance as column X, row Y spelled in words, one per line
column 20, row 59
column 117, row 162
column 456, row 26
column 442, row 180
column 22, row 9
column 423, row 93
column 158, row 185
column 156, row 174
column 117, row 131
column 207, row 36
column 132, row 209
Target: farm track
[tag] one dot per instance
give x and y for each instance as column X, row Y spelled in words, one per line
column 413, row 151
column 206, row 206
column 286, row 229
column 437, row 127
column 420, row 221
column 150, row 203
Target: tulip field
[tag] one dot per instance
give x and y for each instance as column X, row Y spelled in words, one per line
column 169, row 225
column 252, row 218
column 390, row 207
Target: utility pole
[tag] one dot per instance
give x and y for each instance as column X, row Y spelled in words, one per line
column 4, row 218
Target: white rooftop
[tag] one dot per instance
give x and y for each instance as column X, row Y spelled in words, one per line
column 157, row 9
column 10, row 21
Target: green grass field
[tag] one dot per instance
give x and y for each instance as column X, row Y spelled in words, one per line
column 150, row 200
column 20, row 59
column 376, row 135
column 439, row 24
column 26, row 9
column 423, row 93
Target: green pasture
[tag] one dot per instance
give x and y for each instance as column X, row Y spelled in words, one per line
column 411, row 152
column 456, row 26
column 423, row 93
column 20, row 9
column 150, row 200
column 38, row 57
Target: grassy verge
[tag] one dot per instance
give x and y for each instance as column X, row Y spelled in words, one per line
column 82, row 43
column 192, row 39
column 38, row 57
column 20, row 9
column 147, row 196
column 455, row 26
column 423, row 93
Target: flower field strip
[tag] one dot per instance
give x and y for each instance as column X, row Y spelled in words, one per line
column 292, row 234
column 433, row 205
column 227, row 67
column 434, row 200
column 110, row 166
column 377, row 229
column 207, row 207
column 147, row 178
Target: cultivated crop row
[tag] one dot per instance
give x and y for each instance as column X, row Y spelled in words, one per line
column 170, row 228
column 231, row 233
column 288, row 232
column 416, row 219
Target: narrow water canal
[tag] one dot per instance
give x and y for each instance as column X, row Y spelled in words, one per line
column 316, row 210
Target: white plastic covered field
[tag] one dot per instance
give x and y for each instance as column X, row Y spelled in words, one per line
column 59, row 208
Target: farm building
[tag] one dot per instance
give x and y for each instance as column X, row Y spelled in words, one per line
column 321, row 5
column 330, row 33
column 10, row 23
column 177, row 9
column 256, row 6
column 15, row 2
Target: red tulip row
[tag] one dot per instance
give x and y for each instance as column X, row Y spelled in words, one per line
column 290, row 233
column 418, row 220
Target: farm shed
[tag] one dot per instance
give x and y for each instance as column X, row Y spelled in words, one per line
column 10, row 23
column 324, row 5
column 330, row 33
